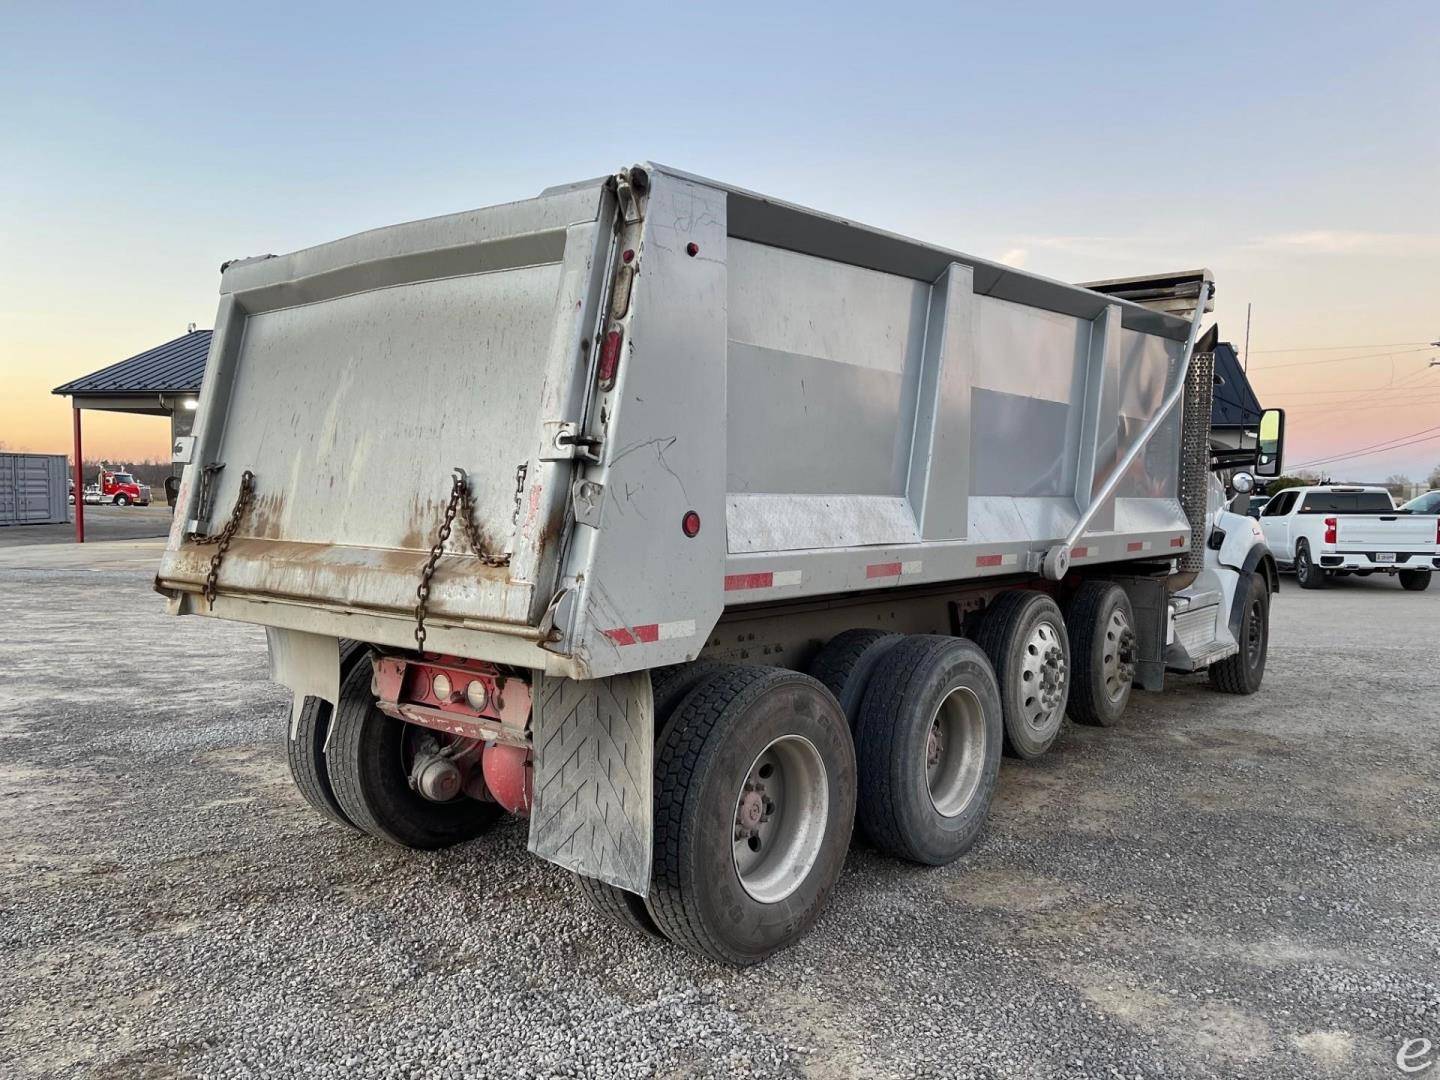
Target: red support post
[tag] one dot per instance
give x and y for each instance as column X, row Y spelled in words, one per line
column 79, row 478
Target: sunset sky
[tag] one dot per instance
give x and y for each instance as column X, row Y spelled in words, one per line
column 1295, row 151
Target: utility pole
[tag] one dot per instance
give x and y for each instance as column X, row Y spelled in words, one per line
column 1245, row 367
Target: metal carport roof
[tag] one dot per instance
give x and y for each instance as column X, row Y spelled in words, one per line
column 173, row 368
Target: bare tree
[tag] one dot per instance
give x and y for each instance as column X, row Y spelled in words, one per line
column 1434, row 478
column 1398, row 485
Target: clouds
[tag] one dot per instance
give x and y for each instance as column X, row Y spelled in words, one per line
column 1350, row 242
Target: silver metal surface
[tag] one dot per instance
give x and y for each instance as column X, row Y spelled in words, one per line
column 1118, row 659
column 33, row 489
column 780, row 815
column 846, row 411
column 955, row 752
column 1043, row 675
column 1152, row 425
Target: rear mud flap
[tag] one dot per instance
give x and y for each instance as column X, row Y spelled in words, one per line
column 594, row 766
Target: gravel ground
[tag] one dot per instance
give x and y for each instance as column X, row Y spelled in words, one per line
column 1218, row 887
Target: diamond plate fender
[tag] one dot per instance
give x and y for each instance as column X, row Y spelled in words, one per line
column 594, row 753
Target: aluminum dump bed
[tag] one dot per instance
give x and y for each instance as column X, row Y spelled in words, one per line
column 667, row 396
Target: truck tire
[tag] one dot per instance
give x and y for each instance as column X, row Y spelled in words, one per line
column 1102, row 653
column 366, row 762
column 1023, row 634
column 928, row 749
column 1245, row 671
column 618, row 906
column 669, row 686
column 754, row 805
column 305, row 746
column 122, row 499
column 1307, row 574
column 845, row 663
column 1414, row 580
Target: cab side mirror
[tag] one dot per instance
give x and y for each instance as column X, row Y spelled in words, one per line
column 1270, row 450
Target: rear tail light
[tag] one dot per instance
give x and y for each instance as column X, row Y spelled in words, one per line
column 1437, row 530
column 609, row 359
column 1330, row 525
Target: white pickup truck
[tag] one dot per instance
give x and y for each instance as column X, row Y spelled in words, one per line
column 1339, row 530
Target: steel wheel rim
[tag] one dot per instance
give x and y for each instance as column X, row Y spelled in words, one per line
column 1043, row 675
column 1253, row 635
column 779, row 818
column 955, row 752
column 1119, row 659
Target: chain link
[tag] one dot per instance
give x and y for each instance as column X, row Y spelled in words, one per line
column 222, row 539
column 462, row 505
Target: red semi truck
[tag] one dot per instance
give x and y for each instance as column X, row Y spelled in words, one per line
column 121, row 488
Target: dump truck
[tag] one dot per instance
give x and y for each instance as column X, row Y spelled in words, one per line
column 700, row 529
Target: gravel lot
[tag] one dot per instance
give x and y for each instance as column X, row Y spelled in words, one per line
column 1218, row 887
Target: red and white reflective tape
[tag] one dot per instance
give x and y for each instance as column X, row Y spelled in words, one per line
column 1079, row 552
column 648, row 632
column 1011, row 559
column 1138, row 545
column 1177, row 541
column 893, row 569
column 768, row 579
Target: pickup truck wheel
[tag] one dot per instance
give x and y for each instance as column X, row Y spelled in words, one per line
column 754, row 804
column 1414, row 580
column 305, row 747
column 845, row 663
column 1307, row 574
column 369, row 760
column 928, row 749
column 1023, row 634
column 1244, row 672
column 122, row 500
column 1103, row 651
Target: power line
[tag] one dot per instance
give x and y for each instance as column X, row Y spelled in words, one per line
column 1338, row 359
column 1414, row 437
column 1337, row 348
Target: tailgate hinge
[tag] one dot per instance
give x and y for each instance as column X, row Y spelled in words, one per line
column 564, row 442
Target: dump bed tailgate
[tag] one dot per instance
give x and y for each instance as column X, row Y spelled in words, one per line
column 353, row 379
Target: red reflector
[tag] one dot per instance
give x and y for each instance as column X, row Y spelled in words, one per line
column 690, row 524
column 628, row 256
column 1177, row 541
column 609, row 359
column 1330, row 527
column 989, row 560
column 692, row 249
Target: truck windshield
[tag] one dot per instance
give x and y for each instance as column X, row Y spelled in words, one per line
column 124, row 478
column 1347, row 502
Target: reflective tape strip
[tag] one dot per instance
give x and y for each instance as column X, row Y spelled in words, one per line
column 645, row 633
column 1138, row 545
column 769, row 579
column 892, row 569
column 1177, row 541
column 1079, row 552
column 997, row 560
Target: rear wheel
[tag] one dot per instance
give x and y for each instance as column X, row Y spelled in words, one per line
column 754, row 804
column 1244, row 672
column 845, row 663
column 305, row 748
column 619, row 906
column 669, row 686
column 928, row 749
column 122, row 500
column 1414, row 580
column 1102, row 653
column 371, row 759
column 1307, row 574
column 1023, row 634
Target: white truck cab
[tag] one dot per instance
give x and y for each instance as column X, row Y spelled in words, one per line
column 1341, row 529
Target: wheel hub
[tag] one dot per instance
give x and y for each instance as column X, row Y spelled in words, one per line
column 1043, row 677
column 780, row 814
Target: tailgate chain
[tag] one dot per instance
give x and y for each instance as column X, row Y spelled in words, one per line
column 462, row 504
column 224, row 536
